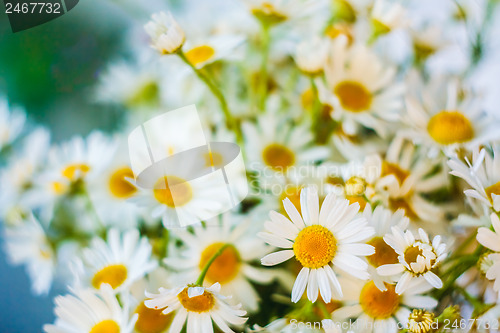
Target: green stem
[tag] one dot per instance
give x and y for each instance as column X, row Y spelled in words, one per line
column 230, row 121
column 199, row 281
column 316, row 111
column 262, row 92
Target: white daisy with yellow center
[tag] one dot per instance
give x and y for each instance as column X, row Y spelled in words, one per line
column 407, row 175
column 89, row 310
column 482, row 173
column 418, row 258
column 274, row 153
column 444, row 119
column 213, row 49
column 118, row 262
column 382, row 219
column 232, row 269
column 198, row 306
column 28, row 244
column 491, row 240
column 318, row 239
column 380, row 311
column 360, row 88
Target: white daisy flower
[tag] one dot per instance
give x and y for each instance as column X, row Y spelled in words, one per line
column 491, row 240
column 316, row 239
column 483, row 174
column 120, row 261
column 274, row 153
column 360, row 88
column 28, row 244
column 407, row 175
column 311, row 55
column 166, row 34
column 382, row 219
column 90, row 311
column 11, row 123
column 417, row 258
column 198, row 306
column 232, row 269
column 212, row 49
column 380, row 311
column 441, row 120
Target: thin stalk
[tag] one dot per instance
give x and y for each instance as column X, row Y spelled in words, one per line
column 201, row 277
column 230, row 121
column 262, row 90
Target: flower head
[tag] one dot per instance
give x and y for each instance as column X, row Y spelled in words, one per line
column 166, row 34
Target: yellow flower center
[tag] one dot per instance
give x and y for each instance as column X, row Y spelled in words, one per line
column 268, row 14
column 355, row 186
column 173, row 191
column 214, row 159
column 384, row 254
column 151, row 320
column 120, row 187
column 422, row 51
column 379, row 304
column 200, row 54
column 411, row 254
column 379, row 28
column 315, row 246
column 148, row 93
column 389, row 168
column 225, row 267
column 58, row 187
column 337, row 29
column 278, row 156
column 448, row 127
column 402, row 203
column 202, row 303
column 74, row 170
column 420, row 321
column 353, row 96
column 357, row 198
column 493, row 189
column 114, row 275
column 106, row 326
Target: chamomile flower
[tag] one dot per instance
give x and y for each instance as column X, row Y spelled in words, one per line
column 121, row 260
column 311, row 56
column 443, row 120
column 11, row 122
column 360, row 88
column 232, row 269
column 408, row 174
column 317, row 239
column 28, row 244
column 382, row 219
column 491, row 240
column 482, row 174
column 198, row 306
column 90, row 310
column 166, row 34
column 417, row 257
column 376, row 311
column 213, row 49
column 274, row 153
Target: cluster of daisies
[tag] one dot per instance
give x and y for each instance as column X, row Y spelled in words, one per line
column 370, row 134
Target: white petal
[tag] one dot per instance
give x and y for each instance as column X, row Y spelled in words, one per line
column 433, row 280
column 300, row 284
column 277, row 257
column 312, row 286
column 390, row 269
column 309, row 205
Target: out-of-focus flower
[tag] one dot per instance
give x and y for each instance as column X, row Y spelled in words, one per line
column 491, row 240
column 417, row 258
column 376, row 310
column 360, row 89
column 28, row 244
column 118, row 262
column 90, row 310
column 166, row 34
column 316, row 239
column 198, row 306
column 311, row 56
column 213, row 49
column 386, row 17
column 483, row 175
column 11, row 122
column 232, row 269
